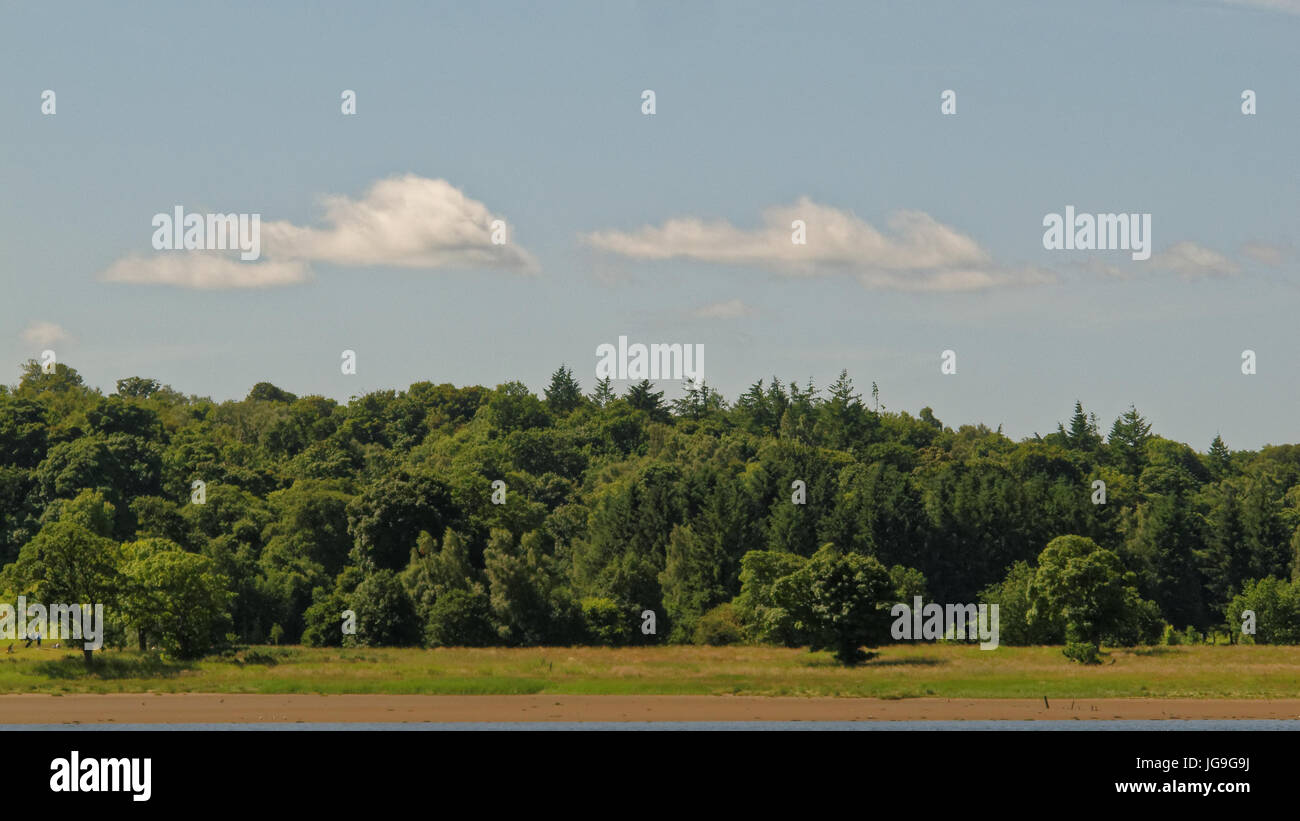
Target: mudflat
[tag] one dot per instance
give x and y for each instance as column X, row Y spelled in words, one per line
column 198, row 708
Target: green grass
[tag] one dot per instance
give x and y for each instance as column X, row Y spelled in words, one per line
column 901, row 671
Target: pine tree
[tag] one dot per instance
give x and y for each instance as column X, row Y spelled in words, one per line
column 564, row 393
column 643, row 396
column 777, row 402
column 604, row 393
column 1082, row 434
column 1127, row 442
column 700, row 401
column 756, row 410
column 1219, row 458
column 841, row 418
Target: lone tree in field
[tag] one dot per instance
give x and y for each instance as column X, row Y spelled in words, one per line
column 1087, row 587
column 840, row 601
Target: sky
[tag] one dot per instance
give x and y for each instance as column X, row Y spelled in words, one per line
column 924, row 230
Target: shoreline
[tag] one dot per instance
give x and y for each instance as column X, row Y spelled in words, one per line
column 199, row 708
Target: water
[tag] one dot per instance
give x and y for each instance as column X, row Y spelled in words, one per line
column 705, row 726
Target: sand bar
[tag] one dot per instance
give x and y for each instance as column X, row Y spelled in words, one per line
column 127, row 708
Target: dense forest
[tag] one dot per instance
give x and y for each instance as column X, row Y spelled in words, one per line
column 445, row 515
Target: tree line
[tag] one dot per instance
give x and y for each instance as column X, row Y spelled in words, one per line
column 794, row 515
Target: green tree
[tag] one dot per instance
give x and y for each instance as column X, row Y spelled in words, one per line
column 643, row 397
column 605, row 622
column 563, row 394
column 67, row 563
column 266, row 392
column 176, row 597
column 604, row 393
column 1082, row 435
column 24, row 432
column 1014, row 598
column 1087, row 587
column 386, row 519
column 1219, row 458
column 841, row 600
column 385, row 613
column 1127, row 441
column 766, row 618
column 528, row 599
column 1276, row 605
column 513, row 407
column 137, row 387
column 461, row 618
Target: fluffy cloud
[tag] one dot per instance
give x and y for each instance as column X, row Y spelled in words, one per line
column 919, row 253
column 400, row 222
column 731, row 309
column 1192, row 260
column 44, row 334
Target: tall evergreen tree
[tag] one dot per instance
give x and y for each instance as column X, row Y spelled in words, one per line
column 604, row 393
column 564, row 393
column 1082, row 434
column 642, row 396
column 1127, row 441
column 1219, row 458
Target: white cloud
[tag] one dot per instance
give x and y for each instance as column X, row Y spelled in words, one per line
column 205, row 271
column 1264, row 253
column 403, row 222
column 400, row 222
column 919, row 253
column 44, row 334
column 731, row 309
column 1192, row 260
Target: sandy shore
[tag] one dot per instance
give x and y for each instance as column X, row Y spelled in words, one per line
column 206, row 708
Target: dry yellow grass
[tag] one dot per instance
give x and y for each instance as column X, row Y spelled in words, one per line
column 899, row 671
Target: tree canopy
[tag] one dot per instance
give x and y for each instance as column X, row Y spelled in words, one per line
column 443, row 514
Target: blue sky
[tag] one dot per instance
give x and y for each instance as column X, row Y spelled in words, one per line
column 532, row 113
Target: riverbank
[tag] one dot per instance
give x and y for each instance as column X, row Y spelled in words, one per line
column 208, row 708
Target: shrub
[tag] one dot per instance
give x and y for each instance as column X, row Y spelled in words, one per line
column 1276, row 605
column 604, row 622
column 1012, row 595
column 324, row 619
column 765, row 620
column 385, row 613
column 1084, row 652
column 460, row 618
column 719, row 626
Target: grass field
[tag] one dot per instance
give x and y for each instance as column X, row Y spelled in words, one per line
column 951, row 671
